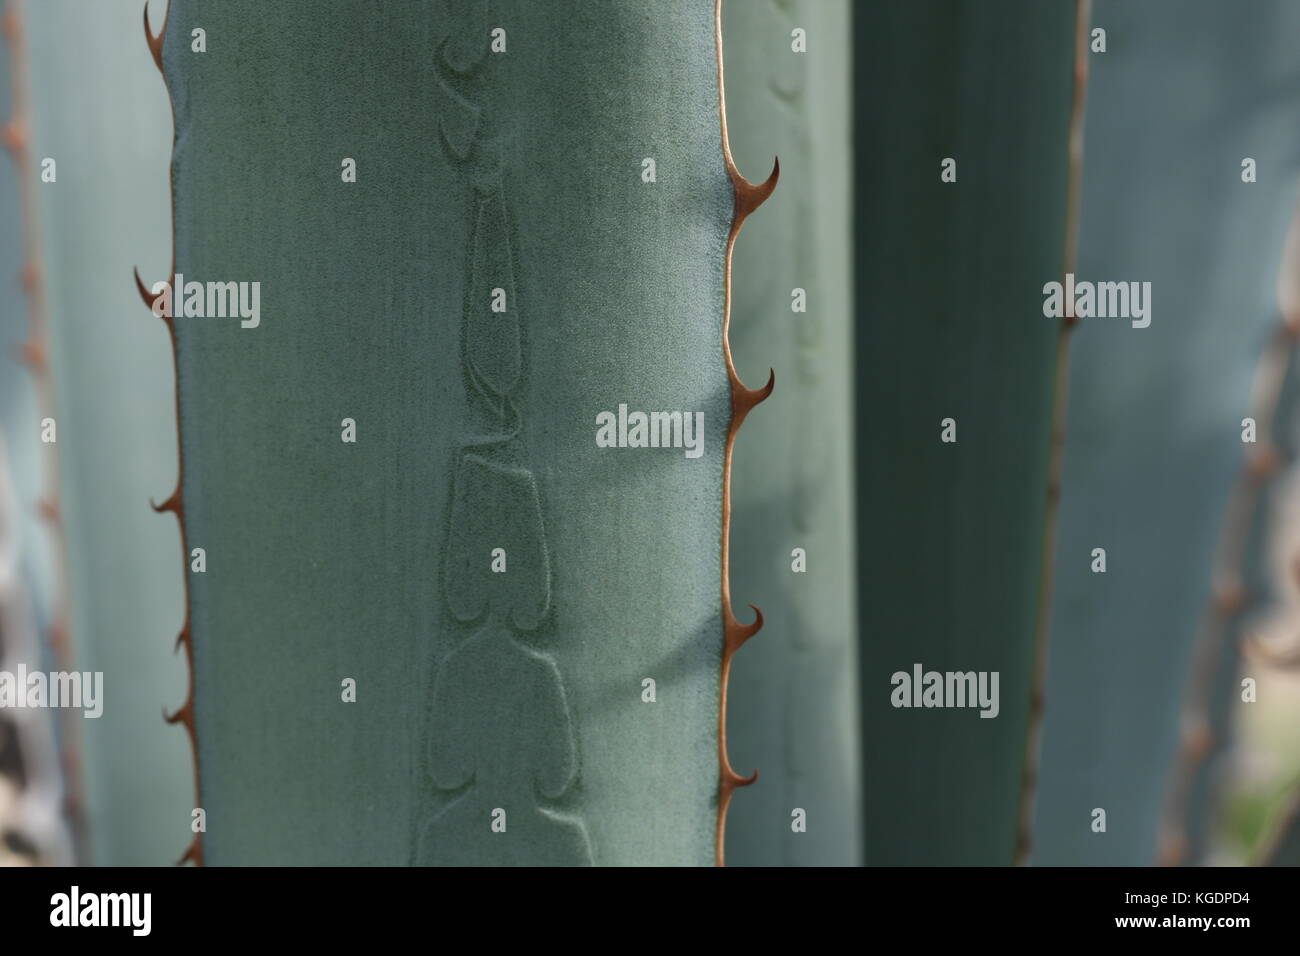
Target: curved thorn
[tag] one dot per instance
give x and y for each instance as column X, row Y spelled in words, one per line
column 1282, row 661
column 192, row 854
column 180, row 641
column 1264, row 462
column 1230, row 597
column 740, row 633
column 146, row 296
column 30, row 277
column 155, row 42
column 1172, row 850
column 171, row 504
column 731, row 779
column 749, row 397
column 59, row 633
column 1198, row 738
column 32, row 354
column 149, row 298
column 1284, row 657
column 749, row 196
column 12, row 138
column 9, row 23
column 175, row 717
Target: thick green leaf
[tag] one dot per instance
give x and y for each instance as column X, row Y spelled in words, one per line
column 101, row 113
column 951, row 326
column 1155, row 414
column 32, row 826
column 475, row 430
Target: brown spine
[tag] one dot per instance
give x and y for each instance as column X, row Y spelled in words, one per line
column 1229, row 598
column 748, row 197
column 1043, row 621
column 175, row 503
column 16, row 137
